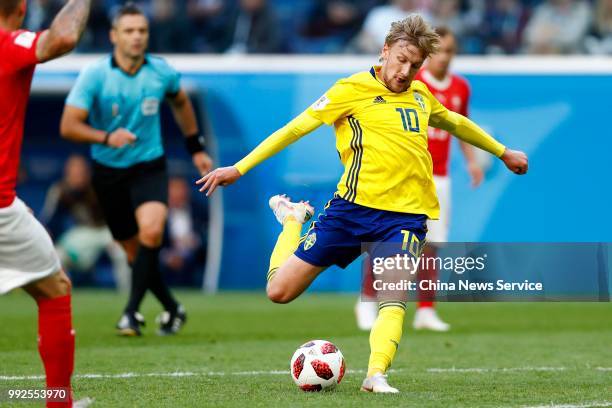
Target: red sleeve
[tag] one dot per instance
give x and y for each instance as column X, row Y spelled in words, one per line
column 18, row 50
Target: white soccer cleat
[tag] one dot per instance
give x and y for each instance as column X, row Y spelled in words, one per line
column 83, row 403
column 378, row 384
column 366, row 314
column 426, row 318
column 283, row 207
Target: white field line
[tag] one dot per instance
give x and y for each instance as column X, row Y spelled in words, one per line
column 580, row 405
column 284, row 372
column 492, row 370
column 169, row 374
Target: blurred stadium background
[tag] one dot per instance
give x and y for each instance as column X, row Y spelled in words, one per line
column 357, row 26
column 252, row 65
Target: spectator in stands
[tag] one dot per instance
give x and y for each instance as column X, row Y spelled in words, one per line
column 558, row 26
column 182, row 254
column 206, row 17
column 170, row 28
column 336, row 22
column 503, row 25
column 95, row 38
column 252, row 28
column 600, row 38
column 40, row 14
column 446, row 13
column 379, row 19
column 73, row 216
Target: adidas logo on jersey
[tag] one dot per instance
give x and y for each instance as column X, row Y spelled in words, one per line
column 379, row 99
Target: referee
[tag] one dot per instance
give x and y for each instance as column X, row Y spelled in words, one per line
column 114, row 105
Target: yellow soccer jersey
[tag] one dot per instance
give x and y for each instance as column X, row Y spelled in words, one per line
column 381, row 137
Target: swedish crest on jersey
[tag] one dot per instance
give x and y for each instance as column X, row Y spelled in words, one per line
column 419, row 98
column 311, row 239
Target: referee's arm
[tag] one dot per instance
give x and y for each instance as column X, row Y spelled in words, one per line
column 183, row 112
column 185, row 117
column 74, row 127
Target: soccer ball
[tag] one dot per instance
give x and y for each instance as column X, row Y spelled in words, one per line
column 317, row 365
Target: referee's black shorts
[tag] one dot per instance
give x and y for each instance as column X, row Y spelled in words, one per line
column 121, row 191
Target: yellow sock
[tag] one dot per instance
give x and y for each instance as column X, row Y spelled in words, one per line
column 286, row 244
column 385, row 336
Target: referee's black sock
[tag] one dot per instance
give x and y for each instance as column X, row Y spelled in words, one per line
column 158, row 286
column 140, row 270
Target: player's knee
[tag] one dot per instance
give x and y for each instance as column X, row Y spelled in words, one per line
column 54, row 286
column 278, row 294
column 63, row 285
column 151, row 235
column 67, row 285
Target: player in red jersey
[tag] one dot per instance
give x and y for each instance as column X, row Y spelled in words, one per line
column 453, row 91
column 27, row 255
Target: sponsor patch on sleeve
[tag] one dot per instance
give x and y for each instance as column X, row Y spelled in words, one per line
column 321, row 103
column 25, row 39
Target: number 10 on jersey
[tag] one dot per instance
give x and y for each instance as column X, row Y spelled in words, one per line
column 410, row 119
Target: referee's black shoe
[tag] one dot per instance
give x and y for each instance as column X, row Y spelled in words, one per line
column 129, row 324
column 171, row 322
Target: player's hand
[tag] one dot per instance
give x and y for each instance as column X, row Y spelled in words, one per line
column 121, row 137
column 223, row 176
column 476, row 174
column 202, row 162
column 515, row 161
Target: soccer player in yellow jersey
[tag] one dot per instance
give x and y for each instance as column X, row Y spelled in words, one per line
column 386, row 193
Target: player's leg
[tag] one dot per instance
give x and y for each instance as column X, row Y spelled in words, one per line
column 55, row 334
column 149, row 192
column 296, row 262
column 288, row 275
column 386, row 334
column 29, row 260
column 151, row 218
column 291, row 279
column 113, row 191
column 426, row 316
column 385, row 338
column 405, row 237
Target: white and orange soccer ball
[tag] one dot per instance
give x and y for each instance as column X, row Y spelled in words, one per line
column 317, row 365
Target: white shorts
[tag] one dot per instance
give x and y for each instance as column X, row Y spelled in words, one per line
column 26, row 250
column 437, row 230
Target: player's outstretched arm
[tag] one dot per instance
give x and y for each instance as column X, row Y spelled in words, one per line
column 466, row 130
column 185, row 117
column 516, row 161
column 290, row 133
column 223, row 176
column 65, row 31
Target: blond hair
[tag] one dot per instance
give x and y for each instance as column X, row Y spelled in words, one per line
column 417, row 32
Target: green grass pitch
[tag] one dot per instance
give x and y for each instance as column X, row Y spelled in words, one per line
column 236, row 347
